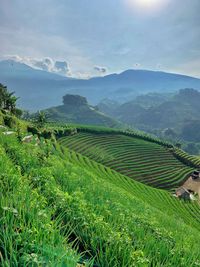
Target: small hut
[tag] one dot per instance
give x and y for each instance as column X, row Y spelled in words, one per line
column 183, row 193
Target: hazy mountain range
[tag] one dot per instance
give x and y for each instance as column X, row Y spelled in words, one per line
column 176, row 115
column 40, row 89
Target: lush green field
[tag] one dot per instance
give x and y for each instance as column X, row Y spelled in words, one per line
column 58, row 208
column 28, row 235
column 141, row 160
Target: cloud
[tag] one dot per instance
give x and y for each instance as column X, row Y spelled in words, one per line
column 62, row 67
column 46, row 64
column 83, row 75
column 13, row 57
column 100, row 69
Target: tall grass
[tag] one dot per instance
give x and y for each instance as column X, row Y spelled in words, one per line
column 28, row 236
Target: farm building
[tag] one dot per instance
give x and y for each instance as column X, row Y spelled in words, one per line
column 193, row 184
column 183, row 193
column 190, row 187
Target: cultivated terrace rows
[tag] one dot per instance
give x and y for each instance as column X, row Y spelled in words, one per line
column 141, row 160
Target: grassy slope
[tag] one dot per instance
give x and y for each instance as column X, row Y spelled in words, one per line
column 119, row 223
column 159, row 199
column 28, row 236
column 80, row 114
column 141, row 160
column 51, row 197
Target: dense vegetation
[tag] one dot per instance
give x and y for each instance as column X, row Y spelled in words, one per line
column 8, row 101
column 55, row 201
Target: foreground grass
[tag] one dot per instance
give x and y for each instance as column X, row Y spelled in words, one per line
column 48, row 196
column 28, row 235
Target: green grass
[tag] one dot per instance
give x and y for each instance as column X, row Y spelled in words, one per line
column 28, row 236
column 66, row 202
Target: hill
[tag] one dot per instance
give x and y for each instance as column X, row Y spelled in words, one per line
column 59, row 208
column 33, row 86
column 75, row 109
column 141, row 160
column 177, row 113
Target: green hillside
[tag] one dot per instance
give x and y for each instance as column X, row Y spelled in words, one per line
column 138, row 159
column 48, row 195
column 75, row 109
column 60, row 208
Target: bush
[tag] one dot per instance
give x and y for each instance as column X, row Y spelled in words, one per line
column 1, row 119
column 47, row 134
column 33, row 129
column 10, row 121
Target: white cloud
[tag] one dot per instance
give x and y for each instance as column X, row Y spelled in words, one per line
column 46, row 64
column 62, row 67
column 83, row 75
column 100, row 69
column 13, row 57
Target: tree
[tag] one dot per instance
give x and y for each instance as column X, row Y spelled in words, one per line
column 8, row 100
column 3, row 95
column 41, row 119
column 74, row 100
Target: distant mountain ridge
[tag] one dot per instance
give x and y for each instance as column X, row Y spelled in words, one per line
column 75, row 109
column 178, row 112
column 40, row 89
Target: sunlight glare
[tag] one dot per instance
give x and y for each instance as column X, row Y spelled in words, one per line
column 146, row 5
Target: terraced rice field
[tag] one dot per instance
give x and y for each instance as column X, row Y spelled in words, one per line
column 159, row 199
column 138, row 159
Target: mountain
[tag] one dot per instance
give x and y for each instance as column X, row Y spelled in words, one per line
column 179, row 112
column 36, row 88
column 75, row 109
column 40, row 89
column 133, row 107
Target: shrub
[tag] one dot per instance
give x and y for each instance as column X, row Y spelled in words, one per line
column 1, row 119
column 10, row 121
column 33, row 129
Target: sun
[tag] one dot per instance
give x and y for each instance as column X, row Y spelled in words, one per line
column 147, row 5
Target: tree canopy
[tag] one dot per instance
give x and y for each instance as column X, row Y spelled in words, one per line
column 74, row 100
column 8, row 100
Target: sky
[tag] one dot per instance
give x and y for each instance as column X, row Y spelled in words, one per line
column 85, row 38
